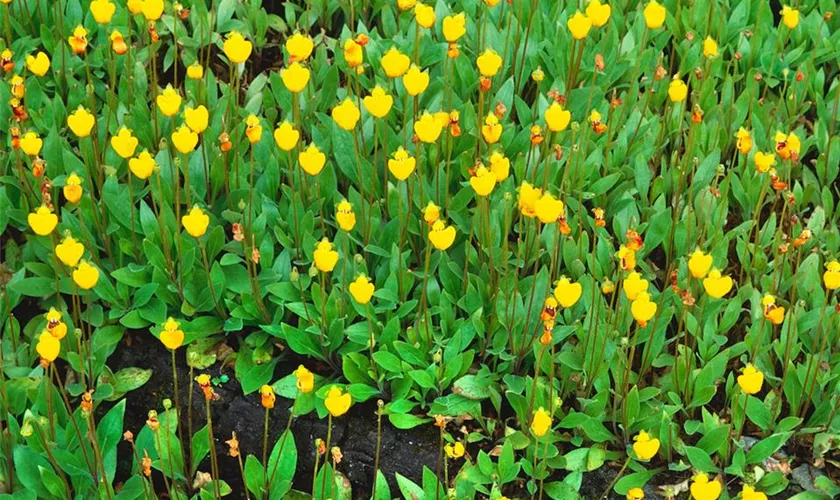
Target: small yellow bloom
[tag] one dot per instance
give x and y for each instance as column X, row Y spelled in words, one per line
column 401, row 165
column 704, row 489
column 528, row 197
column 424, row 15
column 566, row 292
column 699, row 263
column 152, row 9
column 267, row 397
column 427, row 128
column 557, row 118
column 406, row 4
column 124, row 143
column 431, row 213
column 751, row 379
column 654, row 15
column 634, row 285
column 644, row 446
column 500, row 166
column 492, row 129
column 286, row 136
column 635, row 494
column 305, row 379
column 454, row 27
column 710, row 47
column 73, row 188
column 455, row 451
column 195, row 71
column 353, row 53
column 78, row 40
column 337, row 402
column 169, row 101
column 69, row 251
column 489, row 63
column 361, row 289
column 677, row 90
column 579, row 25
column 135, row 6
column 253, row 129
column 395, row 63
column 549, row 208
column 295, row 77
column 325, row 257
column 55, row 324
column 643, row 309
column 299, row 46
column 80, row 122
column 312, row 160
column 345, row 216
column 415, row 81
column 196, row 222
column 379, row 102
column 85, row 275
column 831, row 277
column 775, row 314
column 790, row 16
column 142, row 166
column 184, row 139
column 626, row 258
column 38, row 64
column 102, row 10
column 744, row 141
column 236, row 47
column 483, row 181
column 346, row 114
column 172, row 336
column 42, row 221
column 607, row 287
column 764, row 161
column 787, row 146
column 31, row 144
column 541, row 423
column 48, row 346
column 749, row 493
column 716, row 285
column 197, row 119
column 597, row 12
column 441, row 236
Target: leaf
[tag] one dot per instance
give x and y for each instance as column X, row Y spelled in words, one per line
column 129, row 379
column 409, row 490
column 766, row 447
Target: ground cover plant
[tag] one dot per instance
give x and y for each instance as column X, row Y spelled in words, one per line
column 381, row 249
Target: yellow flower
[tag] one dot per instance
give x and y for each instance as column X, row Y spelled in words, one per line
column 361, row 290
column 286, row 136
column 644, row 446
column 78, row 40
column 787, row 145
column 253, row 129
column 124, row 143
column 267, row 397
column 169, row 101
column 749, row 493
column 566, row 292
column 305, row 379
column 607, row 287
column 548, row 208
column 135, row 6
column 337, row 403
column 744, row 141
column 38, row 64
column 406, row 4
column 500, row 166
column 31, row 144
column 441, row 235
column 401, row 165
column 184, row 139
column 102, row 10
column 775, row 314
column 395, row 63
column 703, row 489
column 677, row 90
column 541, row 423
column 85, row 275
column 378, row 103
column 483, row 181
column 295, row 77
column 425, row 15
column 195, row 71
column 55, row 324
column 751, row 379
column 142, row 166
column 325, row 257
column 172, row 336
column 633, row 285
column 699, row 263
column 237, row 48
column 431, row 213
column 152, row 9
column 635, row 494
column 790, row 16
column 69, row 251
column 73, row 188
column 345, row 216
column 710, row 48
column 299, row 46
column 764, row 161
column 831, row 277
column 312, row 160
column 654, row 15
column 346, row 114
column 455, row 451
column 415, row 81
column 427, row 128
column 353, row 53
column 579, row 25
column 196, row 222
column 454, row 27
column 716, row 285
column 489, row 63
column 626, row 258
column 599, row 13
column 80, row 122
column 196, row 118
column 48, row 346
column 557, row 118
column 492, row 129
column 528, row 197
column 643, row 309
column 42, row 221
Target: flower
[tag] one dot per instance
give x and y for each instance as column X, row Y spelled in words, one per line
column 135, row 6
column 699, row 263
column 790, row 16
column 312, row 160
column 337, row 402
column 489, row 63
column 353, row 53
column 566, row 292
column 677, row 90
column 500, row 166
column 236, row 47
column 716, row 285
column 78, row 40
column 751, row 379
column 483, row 181
column 55, row 324
column 299, row 46
column 305, row 379
column 196, row 222
column 102, row 10
column 38, row 64
column 169, row 101
column 654, row 15
column 749, row 493
column 541, row 423
column 579, row 25
column 42, row 221
column 528, row 197
column 703, row 489
column 69, row 251
column 492, row 129
column 425, row 15
column 395, row 63
column 195, row 71
column 454, row 27
column 253, row 129
column 85, row 275
column 548, row 208
column 635, row 493
column 142, row 166
column 598, row 13
column 626, row 258
column 441, row 236
column 124, row 143
column 643, row 309
column 644, row 446
column 401, row 165
column 267, row 396
column 325, row 257
column 345, row 216
column 455, row 451
column 427, row 128
column 764, row 161
column 775, row 314
column 710, row 48
column 557, row 118
column 73, row 188
column 415, row 81
column 184, row 139
column 152, row 9
column 196, row 118
column 406, row 4
column 633, row 285
column 31, row 144
column 295, row 77
column 831, row 277
column 80, row 122
column 378, row 103
column 286, row 136
column 346, row 114
column 172, row 336
column 48, row 346
column 361, row 289
column 787, row 146
column 744, row 142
